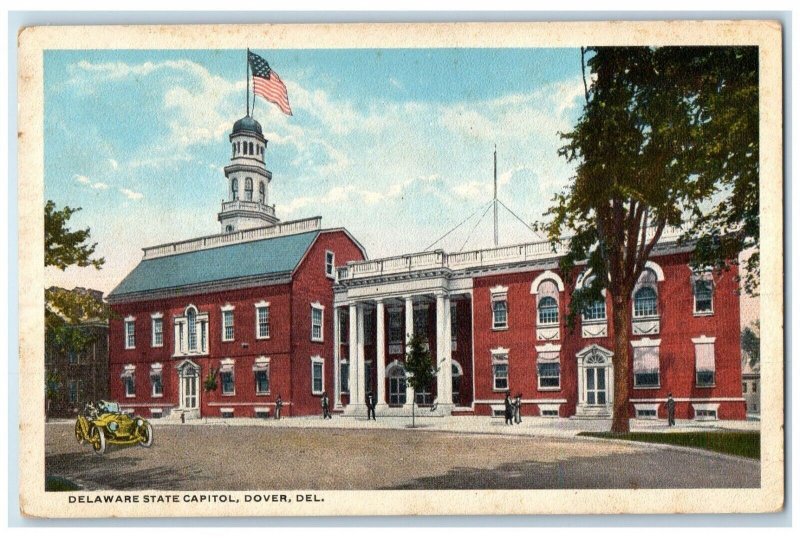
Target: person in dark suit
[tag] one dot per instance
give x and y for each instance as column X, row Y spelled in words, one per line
column 370, row 406
column 509, row 408
column 670, row 410
column 278, row 405
column 326, row 406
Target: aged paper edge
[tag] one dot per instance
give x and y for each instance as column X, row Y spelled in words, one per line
column 32, row 42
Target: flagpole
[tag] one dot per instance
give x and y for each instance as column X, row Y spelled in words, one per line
column 247, row 61
column 495, row 195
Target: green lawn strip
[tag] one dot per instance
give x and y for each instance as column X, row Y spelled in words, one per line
column 57, row 483
column 745, row 444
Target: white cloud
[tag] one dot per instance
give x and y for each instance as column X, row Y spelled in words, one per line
column 131, row 195
column 82, row 179
column 100, row 186
column 113, row 164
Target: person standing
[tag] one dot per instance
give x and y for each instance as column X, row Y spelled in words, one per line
column 370, row 406
column 518, row 408
column 326, row 406
column 509, row 408
column 278, row 405
column 670, row 410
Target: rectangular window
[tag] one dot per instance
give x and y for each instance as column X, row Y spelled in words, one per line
column 227, row 325
column 500, row 372
column 262, row 414
column 646, row 413
column 228, row 387
column 705, row 364
column 344, row 319
column 754, row 387
column 421, row 322
column 330, row 265
column 158, row 332
column 72, row 357
column 226, row 413
column 158, row 388
column 316, row 324
column 262, row 381
column 499, row 314
column 645, row 367
column 703, row 296
column 156, row 414
column 595, row 311
column 395, row 327
column 317, row 380
column 130, row 386
column 744, row 388
column 262, row 322
column 130, row 334
column 549, row 375
column 344, row 377
column 73, row 391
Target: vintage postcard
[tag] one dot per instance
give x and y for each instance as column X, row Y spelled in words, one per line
column 386, row 269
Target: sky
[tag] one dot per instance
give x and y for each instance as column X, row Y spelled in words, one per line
column 396, row 145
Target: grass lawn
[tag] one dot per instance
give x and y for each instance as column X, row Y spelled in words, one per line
column 57, row 483
column 747, row 444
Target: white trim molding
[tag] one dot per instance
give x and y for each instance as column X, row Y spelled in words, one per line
column 646, row 407
column 499, row 351
column 703, row 339
column 498, row 290
column 706, row 407
column 316, row 359
column 156, row 315
column 316, row 305
column 547, row 275
column 549, row 348
column 657, row 270
column 646, row 342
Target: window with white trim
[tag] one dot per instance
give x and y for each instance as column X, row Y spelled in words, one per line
column 330, row 264
column 395, row 326
column 344, row 377
column 226, row 376
column 130, row 333
column 646, row 366
column 227, row 326
column 261, row 373
column 547, row 305
column 645, row 297
column 596, row 310
column 499, row 312
column 157, row 330
column 500, row 370
column 262, row 320
column 703, row 294
column 156, row 381
column 317, row 375
column 421, row 322
column 129, row 381
column 548, row 370
column 191, row 332
column 316, row 322
column 705, row 364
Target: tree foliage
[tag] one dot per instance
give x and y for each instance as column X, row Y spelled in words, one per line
column 641, row 149
column 63, row 247
column 419, row 366
column 751, row 343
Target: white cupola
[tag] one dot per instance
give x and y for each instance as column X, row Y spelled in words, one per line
column 247, row 205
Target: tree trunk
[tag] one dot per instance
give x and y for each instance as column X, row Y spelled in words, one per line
column 620, row 422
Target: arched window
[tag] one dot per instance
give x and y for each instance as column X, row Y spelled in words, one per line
column 251, row 149
column 645, row 302
column 547, row 306
column 234, row 189
column 248, row 189
column 191, row 321
column 645, row 295
column 228, row 228
column 262, row 193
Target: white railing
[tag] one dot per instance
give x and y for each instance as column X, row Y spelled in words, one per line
column 242, row 236
column 248, row 205
column 471, row 259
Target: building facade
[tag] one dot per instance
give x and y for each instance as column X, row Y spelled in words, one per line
column 751, row 389
column 225, row 325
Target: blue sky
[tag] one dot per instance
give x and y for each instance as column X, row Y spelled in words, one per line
column 395, row 144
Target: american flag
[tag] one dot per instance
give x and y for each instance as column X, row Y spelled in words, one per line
column 268, row 84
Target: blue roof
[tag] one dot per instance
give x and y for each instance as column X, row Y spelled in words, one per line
column 253, row 258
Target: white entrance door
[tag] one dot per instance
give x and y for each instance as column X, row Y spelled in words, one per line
column 189, row 381
column 596, row 385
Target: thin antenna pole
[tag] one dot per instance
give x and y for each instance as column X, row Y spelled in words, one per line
column 247, row 61
column 495, row 195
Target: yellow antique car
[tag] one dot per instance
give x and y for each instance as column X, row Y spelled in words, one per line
column 103, row 424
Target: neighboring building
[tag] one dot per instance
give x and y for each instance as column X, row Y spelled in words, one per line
column 751, row 389
column 78, row 376
column 292, row 309
column 251, row 305
column 495, row 320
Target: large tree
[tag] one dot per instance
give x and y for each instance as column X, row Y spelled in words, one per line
column 638, row 149
column 419, row 368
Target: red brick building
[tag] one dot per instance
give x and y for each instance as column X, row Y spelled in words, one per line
column 268, row 309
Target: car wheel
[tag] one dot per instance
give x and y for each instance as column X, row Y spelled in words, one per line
column 98, row 438
column 79, row 432
column 148, row 435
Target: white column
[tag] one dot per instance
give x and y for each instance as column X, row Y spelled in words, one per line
column 337, row 384
column 441, row 326
column 409, row 333
column 447, row 366
column 360, row 381
column 353, row 354
column 380, row 352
